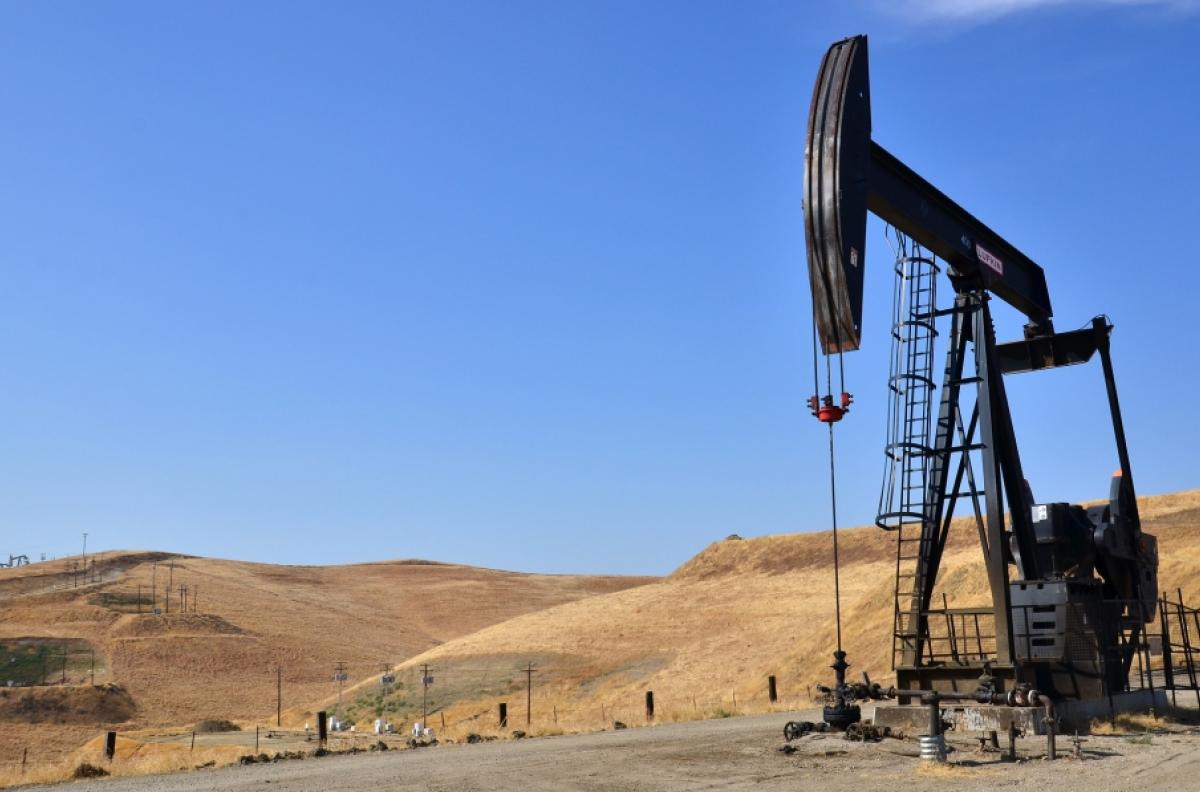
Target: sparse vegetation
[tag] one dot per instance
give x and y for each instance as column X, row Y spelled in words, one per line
column 123, row 601
column 1167, row 719
column 376, row 704
column 38, row 661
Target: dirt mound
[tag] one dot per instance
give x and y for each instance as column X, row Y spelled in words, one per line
column 148, row 625
column 65, row 704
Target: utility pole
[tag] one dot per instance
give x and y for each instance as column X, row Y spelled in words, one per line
column 278, row 696
column 339, row 674
column 170, row 584
column 425, row 681
column 195, row 596
column 84, row 550
column 528, row 693
column 154, row 588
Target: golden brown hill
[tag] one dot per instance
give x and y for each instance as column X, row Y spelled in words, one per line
column 714, row 630
column 67, row 704
column 243, row 621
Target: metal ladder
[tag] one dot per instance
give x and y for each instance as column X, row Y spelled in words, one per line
column 903, row 497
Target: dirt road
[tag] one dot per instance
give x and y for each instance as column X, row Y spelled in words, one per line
column 729, row 754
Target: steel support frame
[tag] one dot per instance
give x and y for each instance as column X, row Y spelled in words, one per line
column 1002, row 474
column 1004, row 482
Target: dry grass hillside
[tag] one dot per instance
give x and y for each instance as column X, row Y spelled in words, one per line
column 219, row 659
column 703, row 639
column 715, row 629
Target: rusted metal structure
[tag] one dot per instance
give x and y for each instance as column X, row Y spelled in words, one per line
column 1072, row 589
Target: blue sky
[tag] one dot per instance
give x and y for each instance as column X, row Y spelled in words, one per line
column 523, row 284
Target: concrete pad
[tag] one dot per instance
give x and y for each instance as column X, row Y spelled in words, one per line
column 1072, row 715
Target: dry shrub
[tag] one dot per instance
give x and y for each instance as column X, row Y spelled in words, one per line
column 88, row 770
column 215, row 726
column 37, row 774
column 1138, row 722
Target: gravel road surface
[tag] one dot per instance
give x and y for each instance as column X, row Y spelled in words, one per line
column 729, row 754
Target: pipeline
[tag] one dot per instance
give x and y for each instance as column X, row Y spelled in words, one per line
column 1021, row 696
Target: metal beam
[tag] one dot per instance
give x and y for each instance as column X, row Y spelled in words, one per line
column 1050, row 351
column 900, row 196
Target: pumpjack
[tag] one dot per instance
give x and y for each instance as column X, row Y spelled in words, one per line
column 1072, row 589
